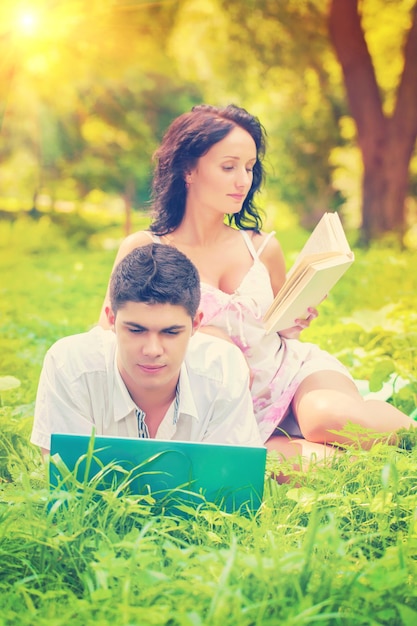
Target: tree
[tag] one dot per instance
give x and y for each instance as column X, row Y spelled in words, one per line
column 121, row 131
column 386, row 142
column 84, row 92
column 278, row 59
column 274, row 60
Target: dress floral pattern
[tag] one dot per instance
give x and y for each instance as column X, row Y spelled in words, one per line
column 278, row 364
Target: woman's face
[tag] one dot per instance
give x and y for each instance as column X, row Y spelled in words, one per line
column 223, row 177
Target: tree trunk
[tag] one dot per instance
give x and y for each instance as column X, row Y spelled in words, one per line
column 386, row 144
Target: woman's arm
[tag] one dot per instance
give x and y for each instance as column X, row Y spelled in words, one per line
column 273, row 259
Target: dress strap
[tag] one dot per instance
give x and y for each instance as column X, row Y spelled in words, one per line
column 248, row 242
column 265, row 241
column 256, row 253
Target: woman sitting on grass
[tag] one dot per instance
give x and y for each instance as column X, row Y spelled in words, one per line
column 209, row 166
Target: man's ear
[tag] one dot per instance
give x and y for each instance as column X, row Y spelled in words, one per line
column 110, row 316
column 197, row 321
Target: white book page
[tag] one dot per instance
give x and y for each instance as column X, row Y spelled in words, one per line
column 328, row 236
column 309, row 290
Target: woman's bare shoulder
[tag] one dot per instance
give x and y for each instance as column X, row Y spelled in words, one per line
column 136, row 240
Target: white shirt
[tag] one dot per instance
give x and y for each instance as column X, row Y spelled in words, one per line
column 80, row 388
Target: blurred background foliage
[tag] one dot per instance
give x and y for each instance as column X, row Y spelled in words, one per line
column 88, row 88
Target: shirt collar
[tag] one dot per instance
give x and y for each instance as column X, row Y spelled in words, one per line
column 123, row 403
column 187, row 404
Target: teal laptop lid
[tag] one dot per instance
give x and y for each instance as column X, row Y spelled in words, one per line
column 171, row 471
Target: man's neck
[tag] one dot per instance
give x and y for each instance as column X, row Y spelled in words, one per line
column 155, row 404
column 154, row 400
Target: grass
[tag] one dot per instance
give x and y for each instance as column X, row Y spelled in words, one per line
column 339, row 549
column 335, row 546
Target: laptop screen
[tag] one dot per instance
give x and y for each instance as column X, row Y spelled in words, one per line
column 172, row 472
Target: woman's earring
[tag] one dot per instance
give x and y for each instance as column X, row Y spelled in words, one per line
column 187, row 185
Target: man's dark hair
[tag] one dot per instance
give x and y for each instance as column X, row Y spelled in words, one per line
column 189, row 137
column 155, row 274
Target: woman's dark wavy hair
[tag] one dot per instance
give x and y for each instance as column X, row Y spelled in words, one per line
column 189, row 137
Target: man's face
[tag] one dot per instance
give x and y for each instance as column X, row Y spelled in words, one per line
column 152, row 340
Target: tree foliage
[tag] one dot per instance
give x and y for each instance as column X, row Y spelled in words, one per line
column 87, row 89
column 88, row 93
column 279, row 58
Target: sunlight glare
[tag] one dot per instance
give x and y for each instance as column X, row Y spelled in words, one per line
column 27, row 23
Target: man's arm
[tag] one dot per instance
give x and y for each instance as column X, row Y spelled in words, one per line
column 61, row 405
column 233, row 422
column 232, row 419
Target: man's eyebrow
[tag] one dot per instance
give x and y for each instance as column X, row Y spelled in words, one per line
column 174, row 327
column 140, row 327
column 134, row 325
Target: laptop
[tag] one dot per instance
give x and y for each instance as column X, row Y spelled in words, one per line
column 176, row 474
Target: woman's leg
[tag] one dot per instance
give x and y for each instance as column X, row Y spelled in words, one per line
column 302, row 454
column 328, row 401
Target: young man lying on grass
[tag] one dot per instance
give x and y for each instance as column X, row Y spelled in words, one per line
column 151, row 375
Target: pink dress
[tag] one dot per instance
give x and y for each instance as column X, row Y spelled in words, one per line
column 278, row 365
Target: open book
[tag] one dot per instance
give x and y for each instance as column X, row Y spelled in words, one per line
column 323, row 260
